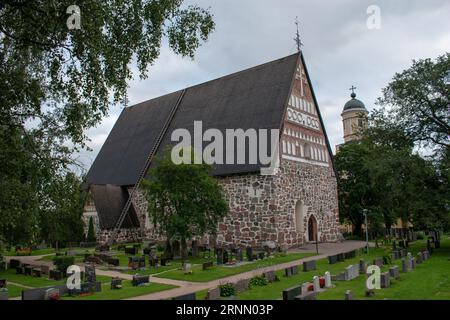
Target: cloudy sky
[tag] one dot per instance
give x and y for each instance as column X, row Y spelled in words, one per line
column 340, row 50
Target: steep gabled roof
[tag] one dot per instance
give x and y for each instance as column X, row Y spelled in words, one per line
column 255, row 98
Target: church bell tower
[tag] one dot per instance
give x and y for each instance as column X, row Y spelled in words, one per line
column 354, row 118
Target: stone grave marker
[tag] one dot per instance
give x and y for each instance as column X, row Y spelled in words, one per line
column 239, row 255
column 291, row 293
column 225, row 256
column 333, row 259
column 116, row 283
column 213, row 294
column 419, row 258
column 241, row 286
column 45, row 270
column 328, row 283
column 404, row 266
column 348, row 295
column 187, row 268
column 219, row 252
column 309, row 265
column 378, row 262
column 163, row 262
column 394, row 272
column 362, row 267
column 207, row 265
column 270, row 276
column 131, row 250
column 341, row 257
column 316, row 283
column 139, row 280
column 3, row 283
column 309, row 295
column 14, row 263
column 291, row 271
column 36, row 272
column 56, row 275
column 89, row 270
column 385, row 280
column 351, row 272
column 52, row 294
column 413, row 263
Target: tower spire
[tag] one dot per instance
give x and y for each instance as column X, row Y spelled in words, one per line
column 352, row 89
column 297, row 39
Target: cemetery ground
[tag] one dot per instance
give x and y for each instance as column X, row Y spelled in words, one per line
column 429, row 281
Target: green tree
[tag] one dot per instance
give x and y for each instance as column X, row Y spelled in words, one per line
column 419, row 101
column 91, row 231
column 60, row 218
column 55, row 83
column 184, row 200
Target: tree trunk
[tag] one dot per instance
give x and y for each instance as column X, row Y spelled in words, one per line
column 183, row 250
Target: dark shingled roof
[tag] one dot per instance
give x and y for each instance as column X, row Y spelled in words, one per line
column 253, row 98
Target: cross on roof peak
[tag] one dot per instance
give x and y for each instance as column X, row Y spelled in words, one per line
column 297, row 39
column 352, row 89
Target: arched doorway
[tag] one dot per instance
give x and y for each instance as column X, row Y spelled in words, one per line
column 312, row 229
column 299, row 216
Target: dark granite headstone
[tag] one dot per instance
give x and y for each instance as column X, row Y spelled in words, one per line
column 385, row 280
column 309, row 295
column 213, row 294
column 89, row 270
column 309, row 266
column 378, row 262
column 3, row 283
column 394, row 272
column 333, row 259
column 291, row 293
column 116, row 283
column 14, row 263
column 207, row 265
column 139, row 280
column 270, row 276
column 39, row 293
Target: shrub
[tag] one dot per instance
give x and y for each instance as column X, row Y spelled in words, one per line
column 91, row 231
column 258, row 281
column 63, row 262
column 387, row 259
column 420, row 235
column 227, row 290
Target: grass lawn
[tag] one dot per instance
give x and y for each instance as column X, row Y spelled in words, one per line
column 127, row 291
column 217, row 272
column 14, row 291
column 429, row 280
column 36, row 282
column 33, row 253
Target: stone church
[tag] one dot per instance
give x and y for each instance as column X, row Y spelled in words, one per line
column 296, row 205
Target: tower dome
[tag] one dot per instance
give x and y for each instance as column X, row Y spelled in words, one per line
column 354, row 118
column 354, row 104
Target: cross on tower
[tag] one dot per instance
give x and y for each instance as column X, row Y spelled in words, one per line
column 352, row 89
column 297, row 39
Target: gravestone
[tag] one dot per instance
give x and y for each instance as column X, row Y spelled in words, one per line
column 328, row 283
column 89, row 271
column 341, row 257
column 270, row 276
column 207, row 265
column 333, row 259
column 3, row 283
column 56, row 275
column 350, row 254
column 190, row 296
column 116, row 283
column 413, row 263
column 394, row 272
column 187, row 268
column 249, row 252
column 385, row 280
column 139, row 280
column 351, row 272
column 309, row 266
column 404, row 266
column 45, row 270
column 131, row 250
column 291, row 271
column 14, row 264
column 40, row 293
column 419, row 258
column 316, row 283
column 36, row 272
column 213, row 294
column 378, row 262
column 291, row 293
column 348, row 295
column 163, row 262
column 362, row 267
column 395, row 255
column 241, row 286
column 28, row 270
